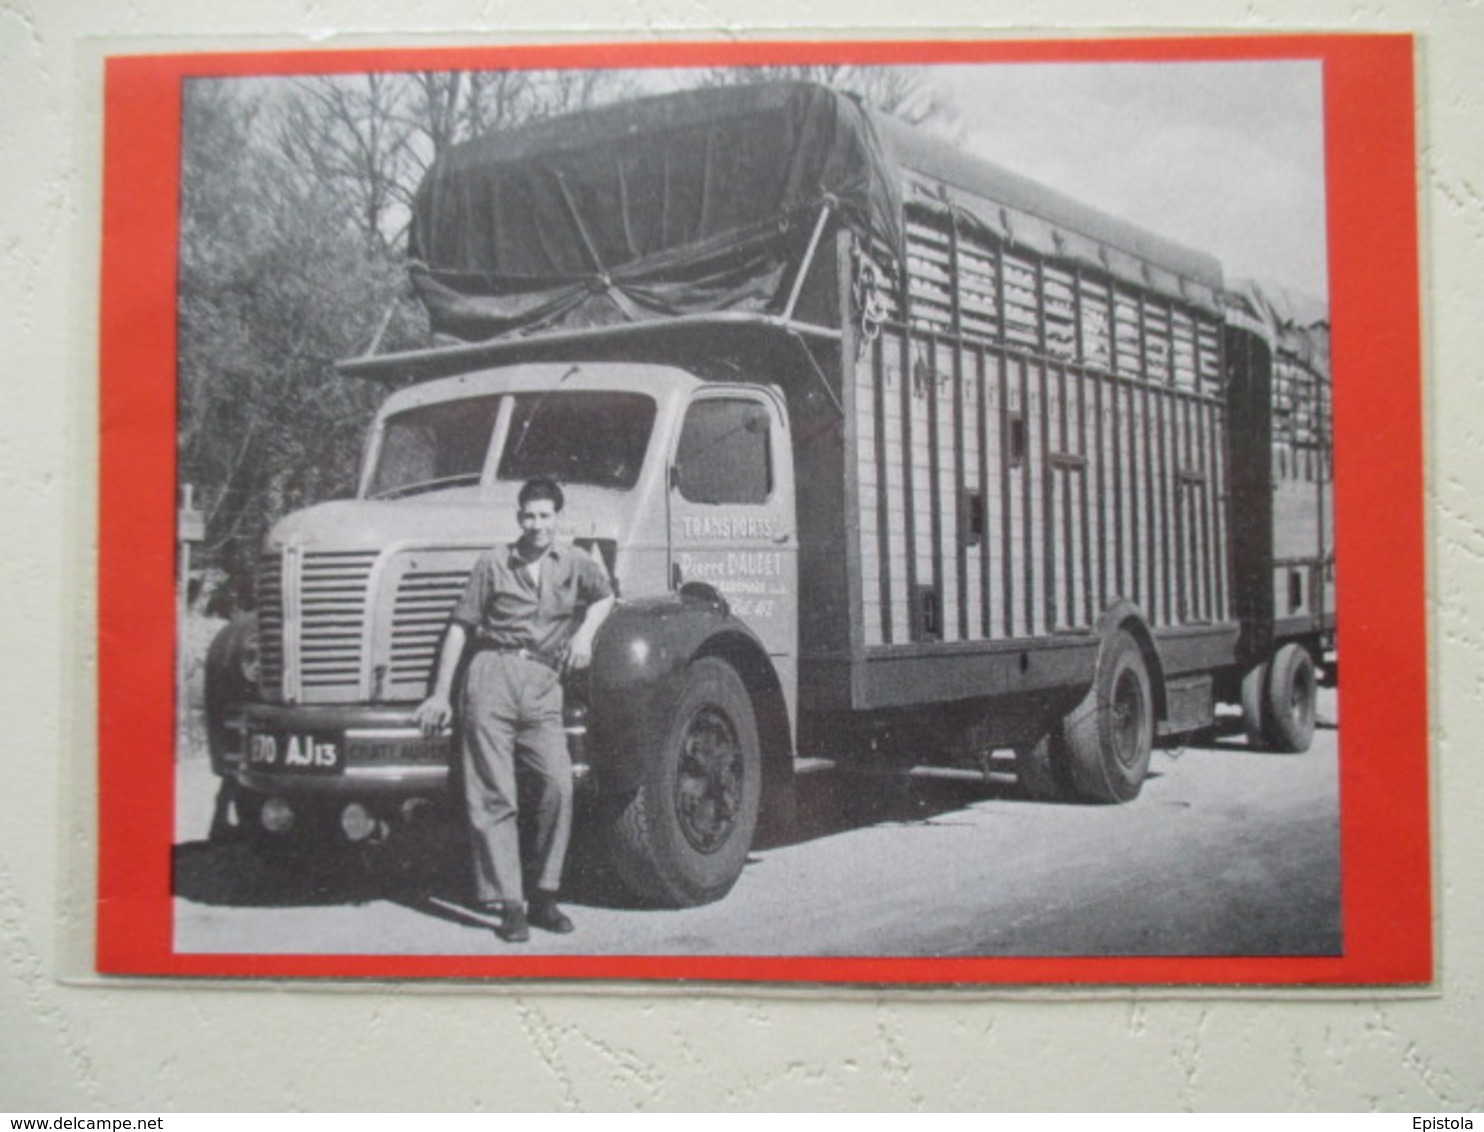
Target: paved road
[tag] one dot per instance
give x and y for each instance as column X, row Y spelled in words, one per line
column 1225, row 852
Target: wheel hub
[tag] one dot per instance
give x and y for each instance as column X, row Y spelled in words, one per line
column 708, row 789
column 1128, row 719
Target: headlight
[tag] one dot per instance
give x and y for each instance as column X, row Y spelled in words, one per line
column 247, row 656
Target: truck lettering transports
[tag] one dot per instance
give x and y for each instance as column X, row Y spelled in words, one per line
column 891, row 454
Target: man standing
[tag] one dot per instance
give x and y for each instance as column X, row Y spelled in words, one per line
column 518, row 615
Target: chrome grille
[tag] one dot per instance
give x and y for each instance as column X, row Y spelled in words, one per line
column 424, row 600
column 270, row 626
column 332, row 604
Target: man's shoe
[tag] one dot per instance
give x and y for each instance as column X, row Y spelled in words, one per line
column 545, row 915
column 512, row 927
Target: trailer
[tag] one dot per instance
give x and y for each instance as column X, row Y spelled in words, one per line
column 888, row 450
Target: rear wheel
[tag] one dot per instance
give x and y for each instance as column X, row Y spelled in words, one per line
column 1109, row 736
column 1289, row 701
column 1042, row 770
column 1254, row 706
column 684, row 836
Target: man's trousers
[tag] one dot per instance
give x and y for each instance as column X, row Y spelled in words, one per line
column 513, row 716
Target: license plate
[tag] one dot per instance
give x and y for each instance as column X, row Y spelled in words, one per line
column 299, row 754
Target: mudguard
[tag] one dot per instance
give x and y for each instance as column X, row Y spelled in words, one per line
column 1125, row 614
column 225, row 683
column 639, row 659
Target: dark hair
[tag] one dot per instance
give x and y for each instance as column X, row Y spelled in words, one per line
column 541, row 487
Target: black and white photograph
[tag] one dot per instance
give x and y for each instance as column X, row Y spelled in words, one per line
column 798, row 510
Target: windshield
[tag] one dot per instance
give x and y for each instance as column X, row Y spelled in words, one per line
column 574, row 436
column 578, row 437
column 434, row 446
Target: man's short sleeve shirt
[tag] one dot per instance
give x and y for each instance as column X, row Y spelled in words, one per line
column 508, row 605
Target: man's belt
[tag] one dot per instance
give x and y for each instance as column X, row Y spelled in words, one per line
column 523, row 653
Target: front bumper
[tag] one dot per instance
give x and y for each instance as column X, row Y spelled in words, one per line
column 348, row 751
column 375, row 750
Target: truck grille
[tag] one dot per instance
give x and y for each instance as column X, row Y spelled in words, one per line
column 332, row 603
column 424, row 600
column 270, row 625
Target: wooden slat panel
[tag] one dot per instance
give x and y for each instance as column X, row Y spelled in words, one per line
column 1097, row 324
column 1029, row 499
column 1208, row 356
column 1145, row 567
column 1188, row 493
column 1044, row 503
column 881, row 624
column 1127, row 354
column 1102, row 425
column 1222, row 532
column 1118, row 415
column 1182, row 336
column 1118, row 488
column 988, row 497
column 957, row 490
column 1086, row 422
column 906, row 438
column 1169, row 560
column 1157, row 347
column 1211, row 611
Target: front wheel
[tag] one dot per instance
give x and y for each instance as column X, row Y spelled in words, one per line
column 684, row 836
column 1109, row 736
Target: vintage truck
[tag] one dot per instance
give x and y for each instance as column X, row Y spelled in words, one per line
column 894, row 457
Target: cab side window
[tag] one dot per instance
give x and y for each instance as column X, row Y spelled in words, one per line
column 725, row 452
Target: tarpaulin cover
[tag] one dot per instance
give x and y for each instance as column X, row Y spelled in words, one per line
column 694, row 202
column 1296, row 324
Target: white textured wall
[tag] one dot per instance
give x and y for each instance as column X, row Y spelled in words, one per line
column 118, row 1047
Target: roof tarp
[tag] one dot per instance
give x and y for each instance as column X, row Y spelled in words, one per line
column 1296, row 324
column 693, row 202
column 703, row 201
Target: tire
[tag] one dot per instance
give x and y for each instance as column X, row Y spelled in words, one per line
column 1109, row 736
column 1289, row 700
column 1254, row 706
column 1043, row 771
column 684, row 836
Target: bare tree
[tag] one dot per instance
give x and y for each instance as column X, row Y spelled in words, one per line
column 294, row 206
column 352, row 133
column 907, row 93
column 372, row 137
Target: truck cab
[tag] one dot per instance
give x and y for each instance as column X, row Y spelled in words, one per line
column 681, row 487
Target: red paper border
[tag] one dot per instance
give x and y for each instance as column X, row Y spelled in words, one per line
column 1370, row 168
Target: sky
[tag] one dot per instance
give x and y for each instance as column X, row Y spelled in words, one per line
column 1226, row 158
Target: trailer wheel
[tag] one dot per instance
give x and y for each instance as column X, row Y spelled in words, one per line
column 1042, row 770
column 684, row 836
column 1110, row 734
column 1289, row 703
column 1254, row 706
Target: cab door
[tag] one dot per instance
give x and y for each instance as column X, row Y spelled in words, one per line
column 731, row 507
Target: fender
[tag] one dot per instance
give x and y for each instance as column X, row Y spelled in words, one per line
column 226, row 684
column 639, row 659
column 1124, row 614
